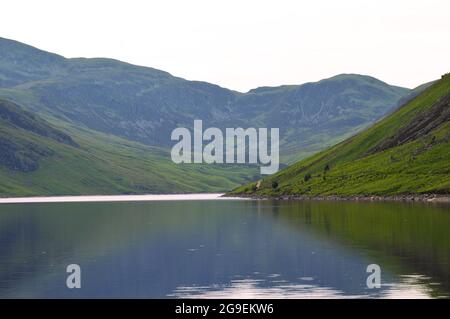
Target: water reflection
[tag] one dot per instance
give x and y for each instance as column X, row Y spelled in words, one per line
column 254, row 288
column 224, row 248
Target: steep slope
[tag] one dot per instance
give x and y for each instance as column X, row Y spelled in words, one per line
column 37, row 158
column 16, row 151
column 144, row 104
column 407, row 152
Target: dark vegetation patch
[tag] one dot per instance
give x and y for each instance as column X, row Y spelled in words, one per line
column 424, row 123
column 18, row 150
column 15, row 115
column 22, row 157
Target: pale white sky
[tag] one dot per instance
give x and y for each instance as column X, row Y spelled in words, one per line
column 243, row 44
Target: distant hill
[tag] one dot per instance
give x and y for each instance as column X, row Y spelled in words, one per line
column 144, row 104
column 407, row 152
column 37, row 158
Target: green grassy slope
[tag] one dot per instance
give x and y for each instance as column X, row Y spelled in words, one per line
column 408, row 152
column 39, row 159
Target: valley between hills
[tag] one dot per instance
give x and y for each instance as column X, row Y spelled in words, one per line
column 101, row 126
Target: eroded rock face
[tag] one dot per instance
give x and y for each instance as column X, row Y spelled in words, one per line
column 421, row 125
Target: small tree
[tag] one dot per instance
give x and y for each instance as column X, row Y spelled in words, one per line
column 274, row 184
column 327, row 168
column 307, row 177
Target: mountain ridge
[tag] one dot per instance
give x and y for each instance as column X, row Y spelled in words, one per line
column 145, row 104
column 4, row 42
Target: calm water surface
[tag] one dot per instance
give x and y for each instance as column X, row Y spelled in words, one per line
column 200, row 246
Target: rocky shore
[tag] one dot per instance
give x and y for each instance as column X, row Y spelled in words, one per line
column 428, row 198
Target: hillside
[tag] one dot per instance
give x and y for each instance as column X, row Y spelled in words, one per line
column 17, row 152
column 144, row 104
column 37, row 158
column 407, row 152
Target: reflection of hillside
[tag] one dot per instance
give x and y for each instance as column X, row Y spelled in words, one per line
column 151, row 249
column 403, row 237
column 27, row 233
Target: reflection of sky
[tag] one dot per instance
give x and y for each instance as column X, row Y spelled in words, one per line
column 249, row 289
column 245, row 253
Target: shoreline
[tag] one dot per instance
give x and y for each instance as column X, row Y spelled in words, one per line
column 421, row 198
column 110, row 198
